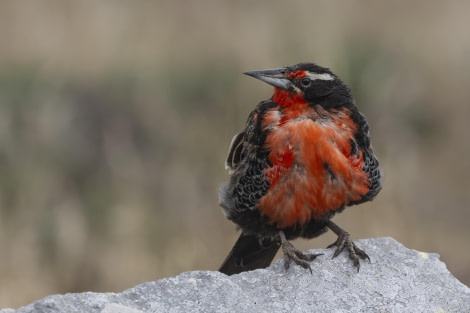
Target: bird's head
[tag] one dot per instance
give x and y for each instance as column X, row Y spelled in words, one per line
column 306, row 82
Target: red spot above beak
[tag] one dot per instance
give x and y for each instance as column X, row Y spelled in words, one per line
column 298, row 74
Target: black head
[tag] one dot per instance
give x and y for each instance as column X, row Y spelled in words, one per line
column 317, row 84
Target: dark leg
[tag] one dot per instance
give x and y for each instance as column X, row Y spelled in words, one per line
column 344, row 241
column 292, row 254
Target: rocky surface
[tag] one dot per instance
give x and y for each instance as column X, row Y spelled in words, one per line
column 397, row 280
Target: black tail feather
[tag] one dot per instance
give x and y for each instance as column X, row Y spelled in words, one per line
column 250, row 252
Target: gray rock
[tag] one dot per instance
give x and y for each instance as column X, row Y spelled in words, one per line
column 396, row 280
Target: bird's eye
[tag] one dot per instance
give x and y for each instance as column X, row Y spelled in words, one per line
column 305, row 82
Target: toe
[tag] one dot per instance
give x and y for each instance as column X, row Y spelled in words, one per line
column 300, row 258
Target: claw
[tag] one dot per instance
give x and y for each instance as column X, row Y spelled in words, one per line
column 344, row 241
column 293, row 254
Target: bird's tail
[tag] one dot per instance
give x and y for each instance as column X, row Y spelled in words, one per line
column 250, row 252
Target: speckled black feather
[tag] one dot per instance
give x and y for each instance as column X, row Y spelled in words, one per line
column 247, row 160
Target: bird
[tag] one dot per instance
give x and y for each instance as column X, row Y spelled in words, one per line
column 304, row 155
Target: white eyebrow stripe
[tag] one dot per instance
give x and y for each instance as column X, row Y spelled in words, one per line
column 323, row 76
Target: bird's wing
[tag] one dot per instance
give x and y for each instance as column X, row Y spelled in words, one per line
column 235, row 153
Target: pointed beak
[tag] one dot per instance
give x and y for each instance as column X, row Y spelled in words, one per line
column 275, row 77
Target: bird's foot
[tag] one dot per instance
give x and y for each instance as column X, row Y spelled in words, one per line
column 293, row 254
column 344, row 241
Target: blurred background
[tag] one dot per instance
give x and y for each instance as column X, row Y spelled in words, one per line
column 116, row 117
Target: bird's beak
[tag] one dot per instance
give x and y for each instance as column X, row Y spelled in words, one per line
column 275, row 77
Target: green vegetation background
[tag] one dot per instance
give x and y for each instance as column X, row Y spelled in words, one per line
column 115, row 118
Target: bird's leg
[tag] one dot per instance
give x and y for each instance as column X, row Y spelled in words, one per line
column 344, row 241
column 293, row 254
